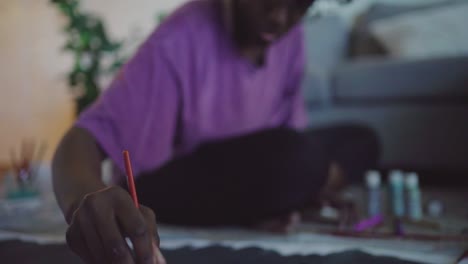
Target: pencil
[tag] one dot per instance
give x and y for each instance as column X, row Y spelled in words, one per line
column 130, row 178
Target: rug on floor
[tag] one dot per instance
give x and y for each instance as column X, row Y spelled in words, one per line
column 30, row 253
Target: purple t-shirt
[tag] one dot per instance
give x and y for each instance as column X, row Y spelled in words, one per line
column 187, row 85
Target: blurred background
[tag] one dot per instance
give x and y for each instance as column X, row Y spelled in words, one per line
column 397, row 66
column 36, row 100
column 401, row 68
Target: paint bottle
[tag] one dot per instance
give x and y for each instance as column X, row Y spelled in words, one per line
column 435, row 208
column 397, row 193
column 413, row 194
column 373, row 182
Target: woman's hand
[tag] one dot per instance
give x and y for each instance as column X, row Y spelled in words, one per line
column 102, row 221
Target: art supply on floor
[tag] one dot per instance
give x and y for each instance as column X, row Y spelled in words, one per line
column 39, row 158
column 398, row 228
column 328, row 212
column 369, row 224
column 413, row 194
column 435, row 208
column 397, row 193
column 374, row 201
column 432, row 225
column 24, row 170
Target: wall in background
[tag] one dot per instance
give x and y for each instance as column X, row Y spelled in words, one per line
column 34, row 101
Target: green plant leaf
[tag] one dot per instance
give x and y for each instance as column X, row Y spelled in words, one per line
column 88, row 41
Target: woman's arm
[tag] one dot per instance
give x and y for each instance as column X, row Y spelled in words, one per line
column 76, row 169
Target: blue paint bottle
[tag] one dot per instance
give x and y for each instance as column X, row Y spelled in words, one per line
column 413, row 197
column 397, row 193
column 373, row 182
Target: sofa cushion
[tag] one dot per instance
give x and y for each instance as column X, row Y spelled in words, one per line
column 384, row 10
column 393, row 80
column 437, row 32
column 362, row 42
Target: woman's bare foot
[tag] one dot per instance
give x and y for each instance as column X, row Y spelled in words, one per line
column 283, row 225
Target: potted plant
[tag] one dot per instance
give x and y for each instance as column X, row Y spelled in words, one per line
column 90, row 45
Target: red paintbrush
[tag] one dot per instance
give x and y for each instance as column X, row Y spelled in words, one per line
column 130, row 178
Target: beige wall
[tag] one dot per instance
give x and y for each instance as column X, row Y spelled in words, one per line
column 34, row 99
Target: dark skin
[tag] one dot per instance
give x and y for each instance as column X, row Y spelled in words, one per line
column 258, row 24
column 100, row 217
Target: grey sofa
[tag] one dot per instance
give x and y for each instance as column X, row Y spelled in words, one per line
column 419, row 108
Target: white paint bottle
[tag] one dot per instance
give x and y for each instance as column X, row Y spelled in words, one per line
column 413, row 194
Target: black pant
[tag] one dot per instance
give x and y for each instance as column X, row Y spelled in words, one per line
column 243, row 180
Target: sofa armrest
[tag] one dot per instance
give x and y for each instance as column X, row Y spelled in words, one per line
column 326, row 41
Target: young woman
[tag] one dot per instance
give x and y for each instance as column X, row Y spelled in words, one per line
column 210, row 107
